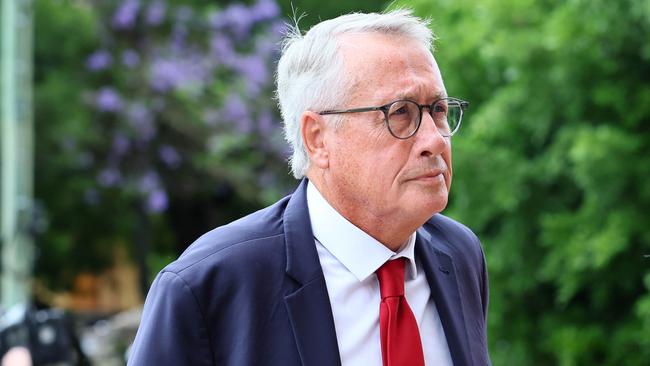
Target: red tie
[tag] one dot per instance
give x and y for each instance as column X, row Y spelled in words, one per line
column 400, row 338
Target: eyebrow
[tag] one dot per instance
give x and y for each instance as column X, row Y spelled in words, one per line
column 409, row 95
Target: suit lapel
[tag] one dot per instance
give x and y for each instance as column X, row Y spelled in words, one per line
column 441, row 275
column 308, row 306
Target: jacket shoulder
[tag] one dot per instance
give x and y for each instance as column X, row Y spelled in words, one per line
column 240, row 240
column 455, row 238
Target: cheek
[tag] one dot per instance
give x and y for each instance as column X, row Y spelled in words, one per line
column 450, row 169
column 394, row 164
column 368, row 159
column 346, row 163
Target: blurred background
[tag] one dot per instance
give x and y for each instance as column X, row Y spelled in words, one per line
column 130, row 127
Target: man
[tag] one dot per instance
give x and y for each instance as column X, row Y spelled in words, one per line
column 355, row 267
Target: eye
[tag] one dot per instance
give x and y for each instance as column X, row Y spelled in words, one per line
column 399, row 108
column 439, row 108
column 403, row 117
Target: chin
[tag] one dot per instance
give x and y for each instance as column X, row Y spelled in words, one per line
column 438, row 208
column 438, row 202
column 425, row 210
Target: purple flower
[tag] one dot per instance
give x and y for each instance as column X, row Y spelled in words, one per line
column 156, row 12
column 150, row 186
column 266, row 47
column 99, row 60
column 235, row 108
column 139, row 114
column 264, row 10
column 108, row 100
column 179, row 36
column 121, row 144
column 130, row 58
column 235, row 18
column 255, row 72
column 236, row 111
column 109, row 177
column 265, row 123
column 279, row 28
column 167, row 74
column 157, row 201
column 169, row 156
column 126, row 14
column 149, row 182
column 217, row 20
column 222, row 49
column 141, row 119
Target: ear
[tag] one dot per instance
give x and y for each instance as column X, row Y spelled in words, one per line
column 313, row 128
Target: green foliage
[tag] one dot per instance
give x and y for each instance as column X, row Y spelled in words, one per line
column 552, row 169
column 66, row 247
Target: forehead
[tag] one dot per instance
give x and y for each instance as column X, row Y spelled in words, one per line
column 390, row 66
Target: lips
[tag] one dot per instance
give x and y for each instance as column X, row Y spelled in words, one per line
column 433, row 174
column 430, row 174
column 430, row 170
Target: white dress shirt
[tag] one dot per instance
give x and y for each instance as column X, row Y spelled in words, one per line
column 349, row 258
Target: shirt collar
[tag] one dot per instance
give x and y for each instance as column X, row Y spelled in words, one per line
column 359, row 252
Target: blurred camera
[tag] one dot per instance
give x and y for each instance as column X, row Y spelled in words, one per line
column 47, row 334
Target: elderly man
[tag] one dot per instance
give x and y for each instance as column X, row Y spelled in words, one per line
column 356, row 267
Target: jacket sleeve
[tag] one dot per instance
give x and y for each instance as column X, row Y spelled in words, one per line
column 485, row 295
column 485, row 292
column 172, row 330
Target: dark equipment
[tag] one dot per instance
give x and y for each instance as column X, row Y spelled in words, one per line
column 47, row 334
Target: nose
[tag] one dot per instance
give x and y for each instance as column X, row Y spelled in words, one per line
column 429, row 140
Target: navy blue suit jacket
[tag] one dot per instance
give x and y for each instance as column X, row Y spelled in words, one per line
column 253, row 293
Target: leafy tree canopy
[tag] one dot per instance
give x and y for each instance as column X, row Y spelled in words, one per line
column 552, row 168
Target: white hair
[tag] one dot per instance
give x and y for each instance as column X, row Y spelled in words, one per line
column 310, row 71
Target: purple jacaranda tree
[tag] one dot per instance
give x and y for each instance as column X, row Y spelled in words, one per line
column 185, row 126
column 184, row 97
column 125, row 16
column 108, row 100
column 99, row 60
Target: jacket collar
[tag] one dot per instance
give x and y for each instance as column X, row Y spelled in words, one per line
column 441, row 275
column 309, row 308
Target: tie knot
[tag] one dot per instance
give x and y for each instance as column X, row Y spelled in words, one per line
column 391, row 278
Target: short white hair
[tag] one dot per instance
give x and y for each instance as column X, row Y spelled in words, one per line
column 310, row 71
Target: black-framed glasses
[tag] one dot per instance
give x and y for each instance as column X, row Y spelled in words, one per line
column 403, row 117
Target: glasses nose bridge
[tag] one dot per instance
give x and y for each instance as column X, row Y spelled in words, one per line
column 434, row 123
column 427, row 106
column 422, row 117
column 422, row 107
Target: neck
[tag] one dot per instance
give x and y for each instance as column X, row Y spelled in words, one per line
column 393, row 232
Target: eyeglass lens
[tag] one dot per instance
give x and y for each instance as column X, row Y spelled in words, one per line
column 404, row 117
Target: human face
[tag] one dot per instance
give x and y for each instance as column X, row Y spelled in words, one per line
column 374, row 178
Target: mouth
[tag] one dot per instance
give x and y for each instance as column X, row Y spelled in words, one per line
column 433, row 175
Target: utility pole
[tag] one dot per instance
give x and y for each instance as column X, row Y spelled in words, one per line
column 16, row 151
